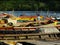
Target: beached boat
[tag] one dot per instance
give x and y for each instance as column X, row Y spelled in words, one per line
column 18, row 30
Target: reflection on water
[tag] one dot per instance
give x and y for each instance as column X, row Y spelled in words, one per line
column 18, row 13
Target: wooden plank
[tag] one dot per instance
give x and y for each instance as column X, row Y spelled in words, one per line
column 36, row 34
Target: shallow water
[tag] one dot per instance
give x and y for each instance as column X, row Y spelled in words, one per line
column 18, row 13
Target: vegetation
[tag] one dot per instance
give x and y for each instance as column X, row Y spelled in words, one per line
column 30, row 5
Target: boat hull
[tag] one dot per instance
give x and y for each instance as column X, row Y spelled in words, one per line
column 18, row 30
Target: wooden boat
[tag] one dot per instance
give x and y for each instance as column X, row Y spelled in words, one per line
column 18, row 30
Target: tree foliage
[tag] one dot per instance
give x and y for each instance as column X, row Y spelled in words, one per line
column 30, row 5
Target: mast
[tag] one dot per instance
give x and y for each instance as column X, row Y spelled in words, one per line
column 48, row 13
column 13, row 12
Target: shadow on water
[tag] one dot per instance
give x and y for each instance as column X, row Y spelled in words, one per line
column 2, row 43
column 23, row 43
column 26, row 43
